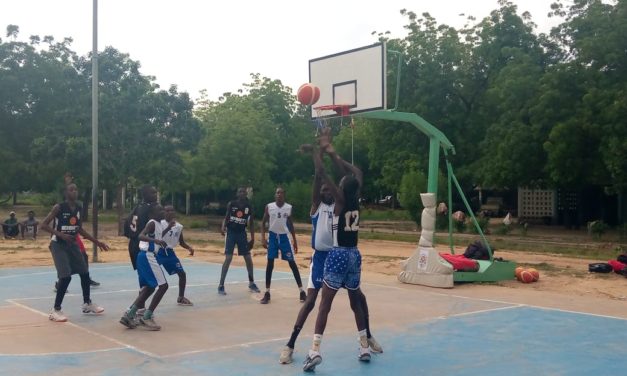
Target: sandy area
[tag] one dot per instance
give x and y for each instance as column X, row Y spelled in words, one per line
column 559, row 274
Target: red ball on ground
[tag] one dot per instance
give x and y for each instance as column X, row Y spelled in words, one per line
column 526, row 277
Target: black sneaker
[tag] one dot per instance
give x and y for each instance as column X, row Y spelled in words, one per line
column 93, row 283
column 303, row 296
column 266, row 298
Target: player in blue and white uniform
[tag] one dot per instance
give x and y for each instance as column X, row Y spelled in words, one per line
column 150, row 274
column 322, row 214
column 277, row 215
column 342, row 268
column 173, row 236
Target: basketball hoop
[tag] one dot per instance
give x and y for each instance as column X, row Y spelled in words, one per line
column 323, row 119
column 326, row 113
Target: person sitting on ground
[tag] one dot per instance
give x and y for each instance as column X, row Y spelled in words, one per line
column 29, row 226
column 11, row 227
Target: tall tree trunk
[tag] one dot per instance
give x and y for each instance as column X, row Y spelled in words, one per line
column 120, row 208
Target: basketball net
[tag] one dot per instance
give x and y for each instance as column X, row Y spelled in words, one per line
column 323, row 120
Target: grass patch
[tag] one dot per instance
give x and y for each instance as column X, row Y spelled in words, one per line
column 399, row 237
column 370, row 214
column 387, row 258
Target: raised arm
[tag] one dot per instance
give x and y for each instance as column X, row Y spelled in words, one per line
column 316, row 156
column 345, row 168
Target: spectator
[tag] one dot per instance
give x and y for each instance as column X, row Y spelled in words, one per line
column 11, row 227
column 29, row 226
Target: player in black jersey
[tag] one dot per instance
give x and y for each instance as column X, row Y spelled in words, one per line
column 66, row 253
column 239, row 214
column 137, row 220
column 343, row 265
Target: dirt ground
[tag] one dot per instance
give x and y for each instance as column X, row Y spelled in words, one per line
column 558, row 274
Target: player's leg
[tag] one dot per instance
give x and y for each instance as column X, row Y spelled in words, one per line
column 79, row 266
column 147, row 320
column 182, row 300
column 147, row 283
column 64, row 276
column 133, row 251
column 352, row 283
column 273, row 253
column 229, row 247
column 92, row 283
column 372, row 342
column 287, row 254
column 313, row 357
column 245, row 252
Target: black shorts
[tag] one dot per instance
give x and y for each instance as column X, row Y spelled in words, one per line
column 133, row 250
column 239, row 238
column 68, row 259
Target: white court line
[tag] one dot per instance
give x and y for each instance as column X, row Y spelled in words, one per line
column 219, row 348
column 120, row 343
column 66, row 353
column 504, row 302
column 133, row 290
column 55, row 272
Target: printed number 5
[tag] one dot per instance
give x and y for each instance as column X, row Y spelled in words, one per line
column 347, row 217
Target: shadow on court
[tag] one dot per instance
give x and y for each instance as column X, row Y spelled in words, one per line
column 423, row 331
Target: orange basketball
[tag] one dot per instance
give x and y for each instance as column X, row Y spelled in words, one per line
column 308, row 94
column 534, row 273
column 518, row 270
column 526, row 277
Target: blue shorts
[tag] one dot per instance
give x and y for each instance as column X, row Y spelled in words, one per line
column 280, row 242
column 239, row 238
column 316, row 269
column 343, row 268
column 170, row 262
column 148, row 270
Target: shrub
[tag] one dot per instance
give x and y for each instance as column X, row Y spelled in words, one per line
column 597, row 228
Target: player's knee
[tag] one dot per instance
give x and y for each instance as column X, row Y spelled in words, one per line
column 309, row 304
column 164, row 287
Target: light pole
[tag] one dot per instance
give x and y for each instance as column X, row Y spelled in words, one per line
column 94, row 128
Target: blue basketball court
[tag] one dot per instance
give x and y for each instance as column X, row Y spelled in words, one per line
column 423, row 331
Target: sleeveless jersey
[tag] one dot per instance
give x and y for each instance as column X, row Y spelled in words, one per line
column 138, row 219
column 67, row 221
column 238, row 216
column 278, row 217
column 322, row 221
column 150, row 246
column 172, row 236
column 347, row 232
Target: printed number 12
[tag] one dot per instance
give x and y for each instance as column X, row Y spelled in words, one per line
column 347, row 217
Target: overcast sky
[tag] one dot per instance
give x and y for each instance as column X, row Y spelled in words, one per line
column 215, row 45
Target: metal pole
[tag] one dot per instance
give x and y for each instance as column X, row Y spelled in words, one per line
column 94, row 128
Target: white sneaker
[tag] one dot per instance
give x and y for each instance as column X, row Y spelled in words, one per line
column 57, row 316
column 139, row 313
column 92, row 308
column 375, row 347
column 149, row 324
column 311, row 361
column 286, row 355
column 364, row 354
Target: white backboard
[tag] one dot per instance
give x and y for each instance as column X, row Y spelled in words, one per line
column 355, row 78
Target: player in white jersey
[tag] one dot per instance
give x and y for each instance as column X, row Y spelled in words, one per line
column 322, row 209
column 278, row 215
column 173, row 236
column 150, row 273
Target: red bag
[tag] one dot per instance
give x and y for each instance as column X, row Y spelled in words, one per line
column 461, row 263
column 617, row 265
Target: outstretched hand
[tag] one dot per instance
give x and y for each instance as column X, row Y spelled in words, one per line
column 324, row 140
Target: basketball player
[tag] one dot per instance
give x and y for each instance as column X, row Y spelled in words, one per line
column 173, row 236
column 321, row 212
column 149, row 272
column 66, row 253
column 342, row 268
column 278, row 215
column 137, row 220
column 239, row 214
